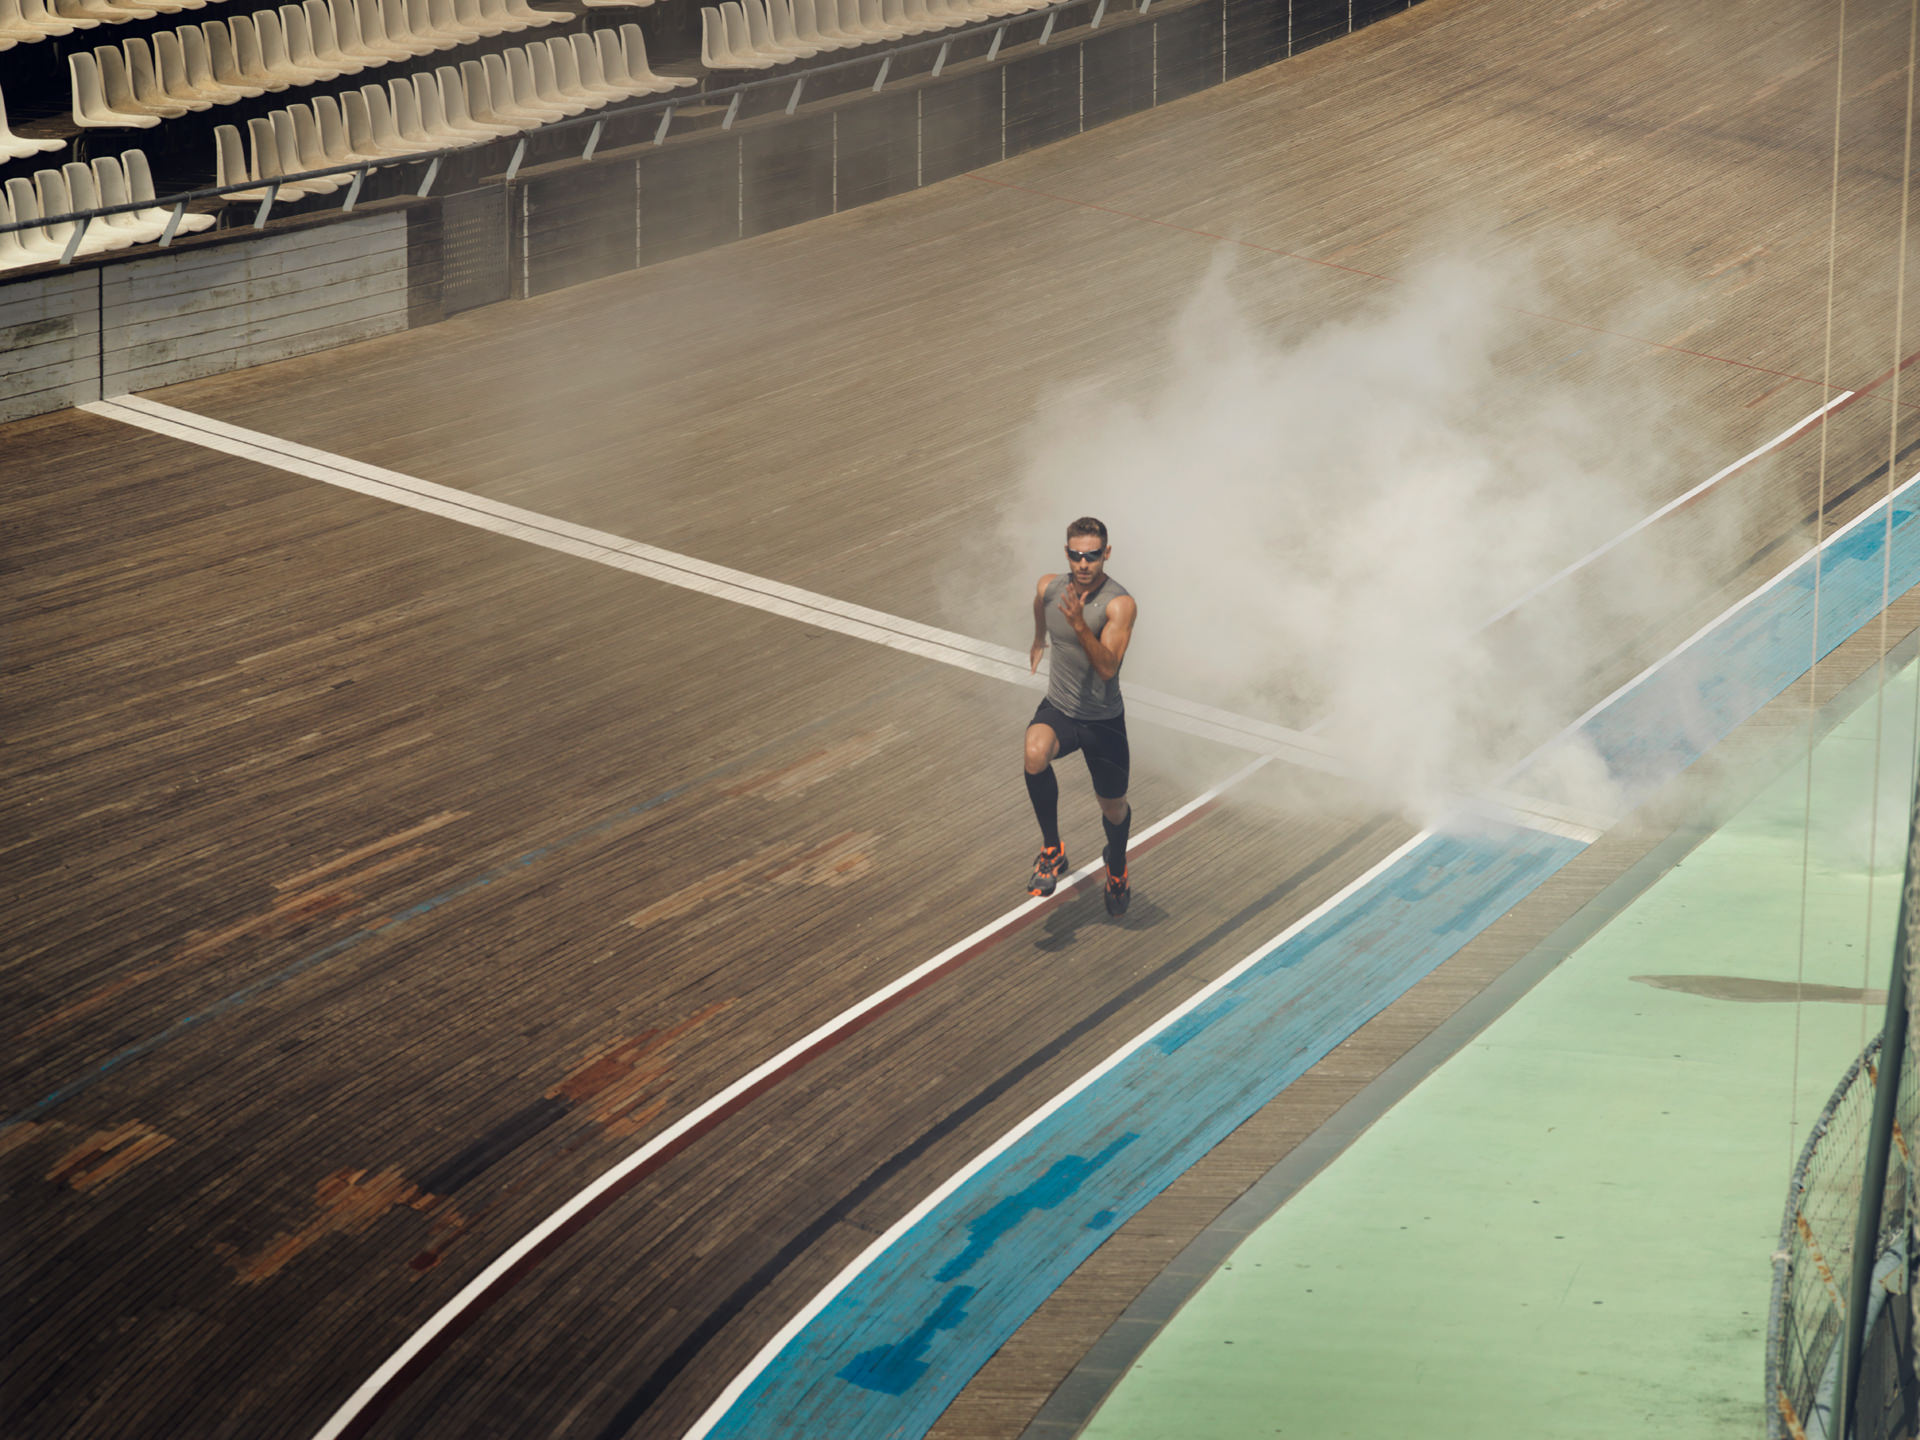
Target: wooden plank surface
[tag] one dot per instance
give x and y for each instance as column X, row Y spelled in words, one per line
column 415, row 875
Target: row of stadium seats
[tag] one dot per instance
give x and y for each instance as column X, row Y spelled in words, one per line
column 220, row 62
column 483, row 100
column 24, row 21
column 760, row 34
column 108, row 181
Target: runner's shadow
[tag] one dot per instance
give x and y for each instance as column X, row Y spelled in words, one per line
column 1062, row 927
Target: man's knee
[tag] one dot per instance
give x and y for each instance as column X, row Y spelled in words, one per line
column 1115, row 810
column 1041, row 747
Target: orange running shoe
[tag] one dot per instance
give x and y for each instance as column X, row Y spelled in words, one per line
column 1119, row 893
column 1048, row 868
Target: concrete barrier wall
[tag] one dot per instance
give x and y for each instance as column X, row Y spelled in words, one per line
column 176, row 315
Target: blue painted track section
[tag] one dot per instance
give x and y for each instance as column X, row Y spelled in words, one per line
column 888, row 1354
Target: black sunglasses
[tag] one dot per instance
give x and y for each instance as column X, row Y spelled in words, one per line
column 1084, row 556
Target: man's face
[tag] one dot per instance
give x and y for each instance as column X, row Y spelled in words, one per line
column 1086, row 558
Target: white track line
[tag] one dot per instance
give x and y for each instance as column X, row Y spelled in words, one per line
column 1695, row 493
column 771, row 1350
column 813, row 1040
column 1208, row 722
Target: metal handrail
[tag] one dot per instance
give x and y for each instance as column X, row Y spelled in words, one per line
column 666, row 105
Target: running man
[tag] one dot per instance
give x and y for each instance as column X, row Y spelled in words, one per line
column 1089, row 616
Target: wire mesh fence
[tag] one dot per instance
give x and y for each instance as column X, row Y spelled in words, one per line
column 1815, row 1262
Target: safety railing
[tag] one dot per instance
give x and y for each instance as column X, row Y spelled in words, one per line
column 882, row 62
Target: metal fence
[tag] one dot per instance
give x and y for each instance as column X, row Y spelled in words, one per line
column 1816, row 1280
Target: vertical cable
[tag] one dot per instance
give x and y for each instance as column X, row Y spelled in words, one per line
column 1819, row 530
column 1886, row 550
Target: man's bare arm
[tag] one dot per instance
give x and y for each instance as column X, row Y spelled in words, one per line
column 1039, row 624
column 1107, row 649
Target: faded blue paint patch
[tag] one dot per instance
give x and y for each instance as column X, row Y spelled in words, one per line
column 1063, row 1178
column 1179, row 1096
column 892, row 1369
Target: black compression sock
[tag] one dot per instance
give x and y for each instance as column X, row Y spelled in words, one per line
column 1044, row 790
column 1117, row 841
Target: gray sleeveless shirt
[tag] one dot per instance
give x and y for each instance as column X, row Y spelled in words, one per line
column 1073, row 685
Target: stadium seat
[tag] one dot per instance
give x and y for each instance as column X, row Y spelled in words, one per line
column 224, row 62
column 577, row 65
column 83, row 194
column 56, row 199
column 17, row 147
column 526, row 89
column 277, row 54
column 102, row 99
column 24, row 21
column 110, row 185
column 453, row 104
column 435, row 120
column 32, row 246
column 140, row 184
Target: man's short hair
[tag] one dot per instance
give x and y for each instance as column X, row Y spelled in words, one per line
column 1087, row 525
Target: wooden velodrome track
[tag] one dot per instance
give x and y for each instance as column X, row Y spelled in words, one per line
column 417, row 874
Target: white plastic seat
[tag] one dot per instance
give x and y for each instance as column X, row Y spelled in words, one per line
column 373, row 31
column 230, row 163
column 24, row 201
column 277, row 56
column 140, row 184
column 434, row 119
column 110, row 184
column 57, row 199
column 90, row 108
column 80, row 21
column 613, row 63
column 332, row 120
column 404, row 106
column 170, row 61
column 508, row 102
column 456, row 103
column 446, row 21
column 386, row 135
column 525, row 96
column 548, row 82
column 324, row 39
column 806, row 26
column 532, row 70
column 739, row 42
column 760, row 28
column 780, row 21
column 527, row 15
column 147, row 93
column 200, row 79
column 586, row 59
column 83, row 194
column 344, row 20
column 13, row 251
column 17, row 147
column 104, row 95
column 567, row 74
column 224, row 62
column 491, row 105
column 296, row 30
column 24, row 21
column 715, row 54
column 634, row 44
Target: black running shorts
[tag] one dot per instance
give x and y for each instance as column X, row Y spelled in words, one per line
column 1104, row 741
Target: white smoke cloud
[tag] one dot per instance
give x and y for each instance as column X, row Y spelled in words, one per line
column 1318, row 522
